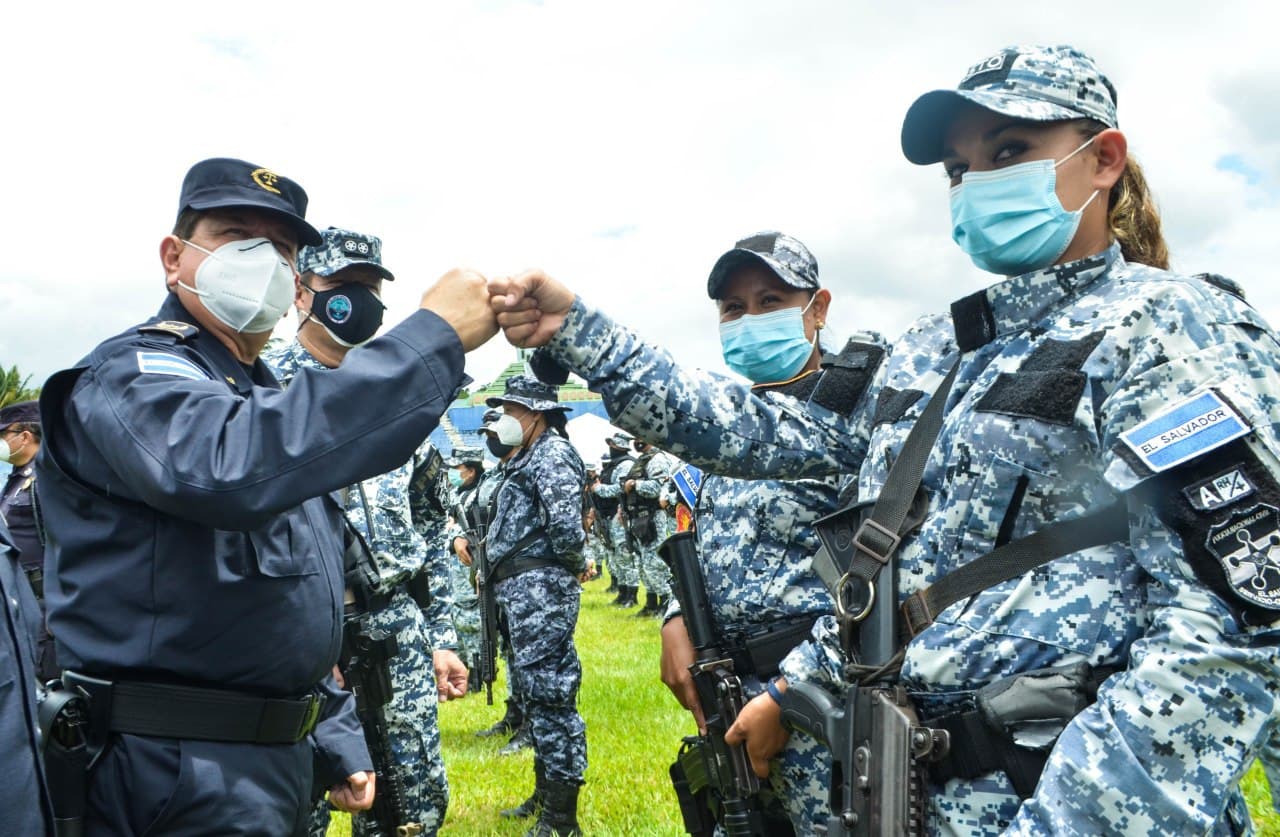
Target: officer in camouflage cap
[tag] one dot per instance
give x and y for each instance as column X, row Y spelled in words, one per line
column 1092, row 386
column 535, row 545
column 402, row 517
column 466, row 474
column 622, row 556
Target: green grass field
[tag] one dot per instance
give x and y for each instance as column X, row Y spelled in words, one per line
column 633, row 730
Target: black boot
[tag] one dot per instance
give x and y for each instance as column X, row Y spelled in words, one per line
column 559, row 817
column 661, row 609
column 650, row 605
column 621, row 599
column 532, row 805
column 507, row 724
column 522, row 739
column 613, row 584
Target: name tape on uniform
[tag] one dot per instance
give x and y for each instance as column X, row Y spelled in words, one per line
column 162, row 363
column 1184, row 431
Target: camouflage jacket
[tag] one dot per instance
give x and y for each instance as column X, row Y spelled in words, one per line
column 1078, row 385
column 538, row 503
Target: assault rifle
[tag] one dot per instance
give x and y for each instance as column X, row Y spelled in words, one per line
column 706, row 766
column 879, row 749
column 365, row 665
column 475, row 527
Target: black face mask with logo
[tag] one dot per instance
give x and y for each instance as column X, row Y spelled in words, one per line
column 351, row 312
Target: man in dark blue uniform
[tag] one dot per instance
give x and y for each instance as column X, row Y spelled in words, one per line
column 24, row 808
column 193, row 563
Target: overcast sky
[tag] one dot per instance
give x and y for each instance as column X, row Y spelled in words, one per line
column 621, row 146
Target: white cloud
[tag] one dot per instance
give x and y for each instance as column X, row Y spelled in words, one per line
column 622, row 147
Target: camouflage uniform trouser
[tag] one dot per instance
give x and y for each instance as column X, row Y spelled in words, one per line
column 411, row 718
column 653, row 571
column 801, row 781
column 624, row 563
column 465, row 611
column 542, row 611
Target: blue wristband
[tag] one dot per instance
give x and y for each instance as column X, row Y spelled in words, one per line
column 773, row 692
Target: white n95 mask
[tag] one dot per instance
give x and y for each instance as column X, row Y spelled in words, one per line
column 246, row 284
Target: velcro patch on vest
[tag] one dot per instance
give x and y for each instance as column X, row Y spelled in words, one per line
column 1220, row 490
column 163, row 363
column 1228, row 523
column 846, row 377
column 1190, row 428
column 1247, row 544
column 892, row 404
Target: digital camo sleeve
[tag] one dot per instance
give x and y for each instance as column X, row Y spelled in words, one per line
column 709, row 420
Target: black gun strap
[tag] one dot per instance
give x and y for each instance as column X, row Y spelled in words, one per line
column 878, row 536
column 1107, row 525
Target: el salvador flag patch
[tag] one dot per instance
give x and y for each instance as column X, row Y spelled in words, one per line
column 688, row 480
column 1189, row 428
column 162, row 363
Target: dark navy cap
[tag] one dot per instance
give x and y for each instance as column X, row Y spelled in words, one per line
column 23, row 412
column 785, row 256
column 528, row 391
column 223, row 182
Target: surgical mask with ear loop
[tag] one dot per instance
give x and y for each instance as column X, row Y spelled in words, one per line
column 246, row 284
column 1010, row 220
column 7, row 453
column 768, row 347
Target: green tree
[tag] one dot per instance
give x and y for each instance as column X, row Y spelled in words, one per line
column 13, row 387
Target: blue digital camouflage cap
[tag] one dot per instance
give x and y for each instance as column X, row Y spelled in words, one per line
column 340, row 249
column 223, row 182
column 464, row 456
column 619, row 440
column 528, row 391
column 1039, row 83
column 780, row 253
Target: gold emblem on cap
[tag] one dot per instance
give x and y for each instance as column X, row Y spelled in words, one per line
column 266, row 178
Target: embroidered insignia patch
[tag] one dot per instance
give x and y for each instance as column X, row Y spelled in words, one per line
column 1218, row 491
column 160, row 363
column 1247, row 544
column 1189, row 428
column 338, row 309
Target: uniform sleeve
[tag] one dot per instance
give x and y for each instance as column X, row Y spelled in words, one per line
column 818, row 659
column 610, row 490
column 706, row 419
column 1166, row 742
column 197, row 450
column 338, row 737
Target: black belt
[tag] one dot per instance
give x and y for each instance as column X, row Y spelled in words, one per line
column 164, row 710
column 761, row 653
column 511, row 567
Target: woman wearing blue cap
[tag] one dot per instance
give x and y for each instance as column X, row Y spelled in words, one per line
column 1102, row 444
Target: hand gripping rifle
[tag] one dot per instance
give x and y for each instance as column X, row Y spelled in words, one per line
column 365, row 664
column 706, row 764
column 476, row 525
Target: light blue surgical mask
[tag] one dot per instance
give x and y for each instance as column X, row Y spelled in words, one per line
column 767, row 347
column 1010, row 220
column 455, row 478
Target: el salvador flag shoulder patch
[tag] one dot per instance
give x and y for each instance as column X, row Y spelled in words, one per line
column 1189, row 428
column 163, row 363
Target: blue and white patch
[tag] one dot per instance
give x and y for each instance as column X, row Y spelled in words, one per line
column 688, row 480
column 161, row 363
column 338, row 309
column 1184, row 431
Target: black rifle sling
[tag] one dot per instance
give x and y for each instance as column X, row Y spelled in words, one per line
column 1107, row 525
column 881, row 532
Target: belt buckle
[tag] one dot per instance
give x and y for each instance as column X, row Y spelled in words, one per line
column 309, row 719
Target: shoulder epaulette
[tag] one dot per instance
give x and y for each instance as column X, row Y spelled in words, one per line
column 173, row 328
